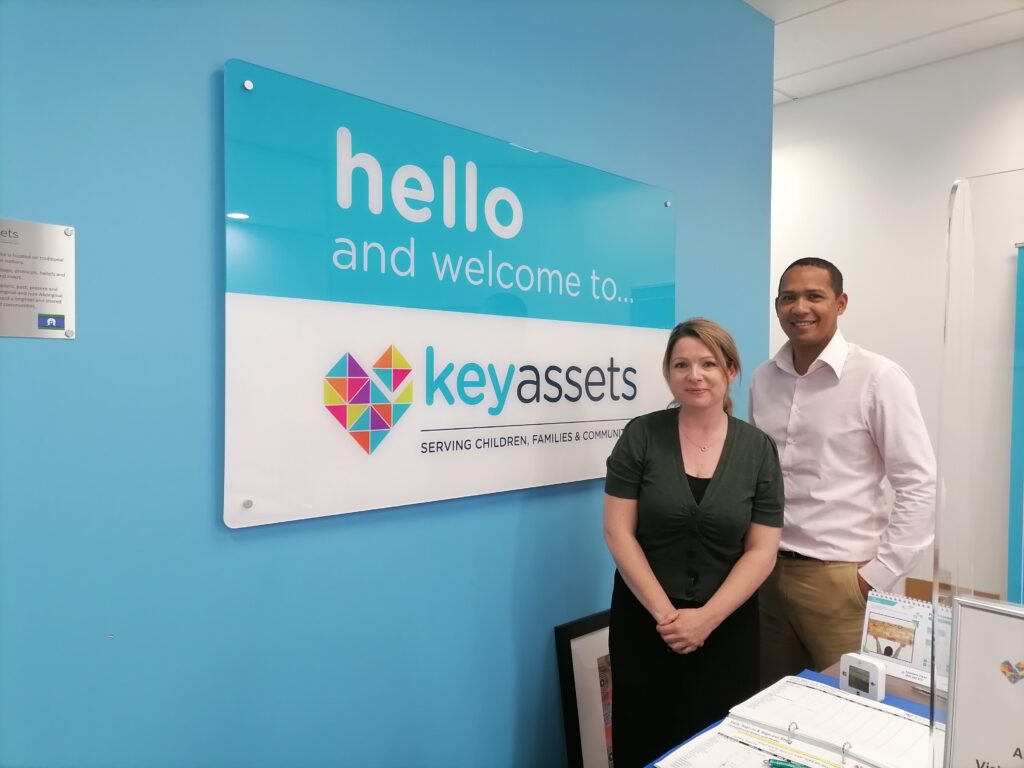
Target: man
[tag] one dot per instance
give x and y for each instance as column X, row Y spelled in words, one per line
column 843, row 419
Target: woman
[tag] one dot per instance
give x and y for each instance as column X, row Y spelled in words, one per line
column 692, row 517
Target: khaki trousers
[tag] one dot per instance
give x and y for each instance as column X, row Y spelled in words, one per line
column 812, row 612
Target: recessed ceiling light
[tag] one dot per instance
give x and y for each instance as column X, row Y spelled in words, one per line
column 238, row 216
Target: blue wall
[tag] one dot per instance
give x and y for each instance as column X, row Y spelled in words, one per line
column 135, row 629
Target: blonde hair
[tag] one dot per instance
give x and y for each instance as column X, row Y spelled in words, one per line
column 716, row 339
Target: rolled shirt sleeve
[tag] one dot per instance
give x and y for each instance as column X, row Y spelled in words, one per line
column 906, row 451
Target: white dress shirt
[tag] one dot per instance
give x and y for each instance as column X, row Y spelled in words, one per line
column 849, row 422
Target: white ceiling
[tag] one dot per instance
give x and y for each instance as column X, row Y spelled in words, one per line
column 821, row 45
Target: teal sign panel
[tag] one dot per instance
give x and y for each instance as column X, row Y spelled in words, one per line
column 334, row 197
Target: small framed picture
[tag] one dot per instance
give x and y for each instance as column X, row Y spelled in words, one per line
column 585, row 674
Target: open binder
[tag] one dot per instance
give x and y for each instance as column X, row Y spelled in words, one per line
column 810, row 724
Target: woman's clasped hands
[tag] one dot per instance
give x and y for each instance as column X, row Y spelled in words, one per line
column 684, row 630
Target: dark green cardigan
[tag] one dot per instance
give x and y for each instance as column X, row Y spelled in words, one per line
column 692, row 547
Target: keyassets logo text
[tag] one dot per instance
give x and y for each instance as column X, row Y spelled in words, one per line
column 473, row 383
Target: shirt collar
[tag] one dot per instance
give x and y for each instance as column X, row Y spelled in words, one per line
column 834, row 356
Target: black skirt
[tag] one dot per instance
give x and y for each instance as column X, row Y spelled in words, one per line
column 661, row 698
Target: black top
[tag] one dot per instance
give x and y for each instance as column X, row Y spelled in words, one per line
column 692, row 545
column 698, row 486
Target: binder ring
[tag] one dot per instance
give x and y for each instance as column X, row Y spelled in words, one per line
column 847, row 746
column 793, row 728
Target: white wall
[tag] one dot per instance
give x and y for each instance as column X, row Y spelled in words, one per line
column 861, row 176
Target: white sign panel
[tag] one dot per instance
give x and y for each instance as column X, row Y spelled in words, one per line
column 37, row 280
column 466, row 404
column 986, row 704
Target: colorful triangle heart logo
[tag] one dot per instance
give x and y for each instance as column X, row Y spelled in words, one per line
column 1013, row 672
column 369, row 405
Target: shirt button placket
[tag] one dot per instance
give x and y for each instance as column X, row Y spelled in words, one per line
column 793, row 426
